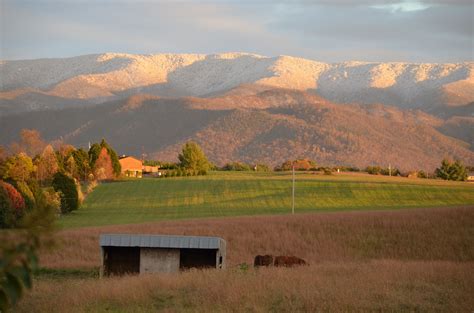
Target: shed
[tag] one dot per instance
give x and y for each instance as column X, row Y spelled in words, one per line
column 132, row 253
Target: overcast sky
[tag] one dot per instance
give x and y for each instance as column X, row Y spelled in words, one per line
column 325, row 30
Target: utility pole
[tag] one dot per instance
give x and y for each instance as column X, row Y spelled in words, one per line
column 143, row 154
column 293, row 193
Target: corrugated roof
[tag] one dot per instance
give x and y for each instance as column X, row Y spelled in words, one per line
column 160, row 241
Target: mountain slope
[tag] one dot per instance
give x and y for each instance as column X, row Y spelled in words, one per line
column 270, row 126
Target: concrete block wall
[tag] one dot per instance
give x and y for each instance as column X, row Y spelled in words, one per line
column 159, row 260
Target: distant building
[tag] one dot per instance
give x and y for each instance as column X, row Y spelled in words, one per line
column 131, row 167
column 148, row 169
column 138, row 254
column 470, row 177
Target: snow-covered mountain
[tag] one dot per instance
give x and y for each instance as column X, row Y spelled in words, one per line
column 109, row 76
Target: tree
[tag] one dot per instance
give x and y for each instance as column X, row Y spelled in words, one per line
column 71, row 167
column 31, row 142
column 26, row 192
column 18, row 167
column 96, row 150
column 63, row 152
column 46, row 164
column 193, row 158
column 103, row 166
column 67, row 187
column 81, row 160
column 16, row 207
column 113, row 157
column 19, row 247
column 6, row 213
column 451, row 171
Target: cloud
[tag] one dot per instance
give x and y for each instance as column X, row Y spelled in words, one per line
column 336, row 30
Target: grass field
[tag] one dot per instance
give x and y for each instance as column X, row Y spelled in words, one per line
column 365, row 254
column 419, row 260
column 238, row 193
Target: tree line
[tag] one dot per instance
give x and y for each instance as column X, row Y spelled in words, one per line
column 60, row 173
column 38, row 182
column 449, row 170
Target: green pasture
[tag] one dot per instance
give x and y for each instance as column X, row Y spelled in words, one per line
column 246, row 193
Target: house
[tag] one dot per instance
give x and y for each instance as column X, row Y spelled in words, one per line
column 131, row 167
column 139, row 254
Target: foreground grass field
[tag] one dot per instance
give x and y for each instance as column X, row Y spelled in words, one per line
column 419, row 260
column 365, row 254
column 236, row 194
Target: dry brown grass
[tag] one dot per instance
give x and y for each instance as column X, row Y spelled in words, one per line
column 383, row 286
column 399, row 261
column 421, row 234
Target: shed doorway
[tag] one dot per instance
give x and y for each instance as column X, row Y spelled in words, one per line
column 121, row 260
column 197, row 258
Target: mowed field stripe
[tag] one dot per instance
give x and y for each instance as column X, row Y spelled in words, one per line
column 236, row 194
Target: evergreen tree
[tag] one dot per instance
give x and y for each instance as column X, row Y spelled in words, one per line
column 94, row 152
column 81, row 159
column 67, row 187
column 451, row 171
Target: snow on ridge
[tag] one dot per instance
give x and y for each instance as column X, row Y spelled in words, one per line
column 199, row 74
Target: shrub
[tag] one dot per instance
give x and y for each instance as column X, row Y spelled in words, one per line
column 300, row 165
column 422, row 174
column 91, row 186
column 373, row 170
column 236, row 166
column 80, row 194
column 377, row 170
column 6, row 213
column 69, row 196
column 262, row 167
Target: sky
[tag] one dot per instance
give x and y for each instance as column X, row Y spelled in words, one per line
column 323, row 30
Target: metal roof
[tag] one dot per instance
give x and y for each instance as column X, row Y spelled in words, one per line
column 160, row 241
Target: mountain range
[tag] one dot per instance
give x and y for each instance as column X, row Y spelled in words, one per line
column 246, row 107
